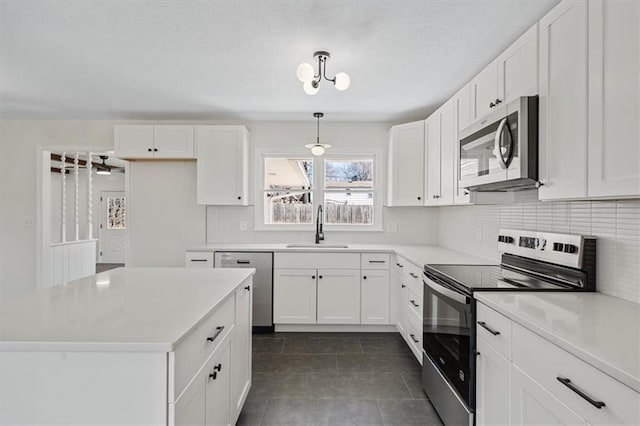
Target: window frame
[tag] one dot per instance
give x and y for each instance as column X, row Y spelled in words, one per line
column 318, row 190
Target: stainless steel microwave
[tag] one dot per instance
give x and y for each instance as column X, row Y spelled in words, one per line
column 500, row 152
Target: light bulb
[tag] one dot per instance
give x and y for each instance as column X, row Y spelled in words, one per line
column 317, row 150
column 305, row 72
column 342, row 81
column 309, row 89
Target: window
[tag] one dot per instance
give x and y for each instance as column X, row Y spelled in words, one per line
column 294, row 186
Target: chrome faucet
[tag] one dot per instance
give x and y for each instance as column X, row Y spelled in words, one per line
column 319, row 222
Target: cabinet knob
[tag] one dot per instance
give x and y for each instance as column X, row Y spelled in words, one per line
column 217, row 367
column 320, row 276
column 364, row 277
column 155, row 149
column 149, row 150
column 213, row 375
column 402, row 286
column 313, row 277
column 466, row 192
column 491, row 104
column 419, row 198
column 248, row 288
column 239, row 198
column 498, row 101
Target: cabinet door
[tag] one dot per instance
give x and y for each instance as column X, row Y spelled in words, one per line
column 614, row 98
column 403, row 306
column 563, row 102
column 222, row 165
column 241, row 350
column 173, row 142
column 191, row 407
column 448, row 143
column 134, row 141
column 463, row 119
column 218, row 388
column 374, row 296
column 406, row 165
column 518, row 68
column 531, row 404
column 294, row 296
column 484, row 91
column 492, row 386
column 432, row 158
column 338, row 296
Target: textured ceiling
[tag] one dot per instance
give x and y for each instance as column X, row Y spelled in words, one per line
column 237, row 59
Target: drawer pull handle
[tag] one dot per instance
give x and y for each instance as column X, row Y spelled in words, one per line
column 486, row 327
column 377, row 261
column 413, row 337
column 413, row 302
column 413, row 275
column 248, row 288
column 243, row 262
column 216, row 334
column 199, row 260
column 213, row 375
column 567, row 383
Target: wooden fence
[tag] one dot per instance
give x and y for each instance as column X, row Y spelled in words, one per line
column 285, row 213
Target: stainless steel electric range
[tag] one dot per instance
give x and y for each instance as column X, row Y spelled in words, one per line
column 531, row 261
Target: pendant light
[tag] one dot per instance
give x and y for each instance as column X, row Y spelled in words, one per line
column 318, row 148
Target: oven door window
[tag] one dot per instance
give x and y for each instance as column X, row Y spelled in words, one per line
column 447, row 334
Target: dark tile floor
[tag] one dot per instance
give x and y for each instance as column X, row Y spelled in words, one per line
column 335, row 379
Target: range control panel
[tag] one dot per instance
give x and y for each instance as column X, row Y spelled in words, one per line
column 562, row 249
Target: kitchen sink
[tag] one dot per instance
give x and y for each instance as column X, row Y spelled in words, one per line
column 326, row 246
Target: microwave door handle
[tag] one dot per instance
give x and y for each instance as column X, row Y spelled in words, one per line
column 443, row 291
column 498, row 152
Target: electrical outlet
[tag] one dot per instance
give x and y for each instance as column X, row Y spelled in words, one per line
column 479, row 233
column 243, row 226
column 392, row 227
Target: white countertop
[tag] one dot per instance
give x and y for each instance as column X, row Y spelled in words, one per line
column 125, row 309
column 602, row 330
column 417, row 254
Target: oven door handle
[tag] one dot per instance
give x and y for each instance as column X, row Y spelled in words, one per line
column 443, row 291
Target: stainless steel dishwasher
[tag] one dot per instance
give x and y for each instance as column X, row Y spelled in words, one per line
column 262, row 283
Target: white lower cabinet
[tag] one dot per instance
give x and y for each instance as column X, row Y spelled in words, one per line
column 401, row 296
column 217, row 400
column 492, row 386
column 374, row 297
column 338, row 296
column 547, row 385
column 294, row 296
column 531, row 404
column 241, row 351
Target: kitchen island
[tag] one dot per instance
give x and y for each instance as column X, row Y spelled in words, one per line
column 129, row 346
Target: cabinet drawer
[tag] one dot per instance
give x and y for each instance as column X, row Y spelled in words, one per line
column 414, row 337
column 317, row 260
column 415, row 302
column 494, row 328
column 199, row 259
column 375, row 261
column 545, row 362
column 194, row 350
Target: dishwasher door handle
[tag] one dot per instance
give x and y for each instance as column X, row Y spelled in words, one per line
column 243, row 262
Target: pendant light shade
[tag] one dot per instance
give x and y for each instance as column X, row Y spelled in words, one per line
column 318, row 148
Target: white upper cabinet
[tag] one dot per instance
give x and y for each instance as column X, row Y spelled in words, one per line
column 484, row 91
column 222, row 165
column 563, row 102
column 406, row 165
column 463, row 119
column 441, row 142
column 518, row 68
column 160, row 142
column 614, row 98
column 173, row 141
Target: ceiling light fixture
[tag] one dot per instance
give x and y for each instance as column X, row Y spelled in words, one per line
column 103, row 169
column 318, row 148
column 310, row 80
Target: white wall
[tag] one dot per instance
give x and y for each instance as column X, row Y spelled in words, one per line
column 474, row 229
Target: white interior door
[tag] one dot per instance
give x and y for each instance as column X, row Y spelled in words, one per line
column 113, row 215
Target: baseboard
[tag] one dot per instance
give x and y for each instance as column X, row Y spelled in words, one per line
column 328, row 328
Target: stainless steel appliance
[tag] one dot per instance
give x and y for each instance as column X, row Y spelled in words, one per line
column 262, row 283
column 500, row 152
column 531, row 261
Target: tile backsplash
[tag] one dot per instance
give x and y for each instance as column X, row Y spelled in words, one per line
column 616, row 224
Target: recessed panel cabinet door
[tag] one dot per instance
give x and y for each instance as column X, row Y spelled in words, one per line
column 531, row 404
column 432, row 158
column 338, row 296
column 518, row 68
column 614, row 98
column 133, row 141
column 406, row 165
column 241, row 350
column 492, row 386
column 448, row 144
column 294, row 296
column 173, row 141
column 563, row 102
column 374, row 289
column 190, row 409
column 218, row 388
column 222, row 165
column 484, row 91
column 463, row 119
